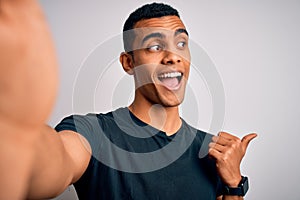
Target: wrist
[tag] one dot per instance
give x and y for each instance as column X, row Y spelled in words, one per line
column 234, row 182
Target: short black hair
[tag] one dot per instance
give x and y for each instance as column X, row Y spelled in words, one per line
column 147, row 11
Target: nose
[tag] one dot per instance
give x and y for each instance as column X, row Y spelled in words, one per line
column 171, row 58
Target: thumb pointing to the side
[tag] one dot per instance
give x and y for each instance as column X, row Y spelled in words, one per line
column 246, row 140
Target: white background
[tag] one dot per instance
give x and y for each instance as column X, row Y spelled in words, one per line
column 255, row 46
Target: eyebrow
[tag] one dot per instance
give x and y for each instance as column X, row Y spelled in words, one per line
column 160, row 35
column 181, row 30
column 153, row 35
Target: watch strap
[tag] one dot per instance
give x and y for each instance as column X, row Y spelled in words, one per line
column 241, row 190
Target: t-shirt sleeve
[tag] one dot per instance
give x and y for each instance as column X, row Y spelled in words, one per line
column 66, row 124
column 77, row 123
column 219, row 188
column 86, row 125
column 205, row 139
column 89, row 126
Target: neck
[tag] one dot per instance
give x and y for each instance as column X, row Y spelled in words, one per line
column 166, row 119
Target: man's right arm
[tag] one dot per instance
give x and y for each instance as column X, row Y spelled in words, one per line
column 39, row 165
column 60, row 160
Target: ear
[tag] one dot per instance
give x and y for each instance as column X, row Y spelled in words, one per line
column 127, row 62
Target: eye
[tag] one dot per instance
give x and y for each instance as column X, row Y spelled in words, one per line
column 181, row 44
column 155, row 48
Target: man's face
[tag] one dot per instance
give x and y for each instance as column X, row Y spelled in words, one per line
column 161, row 60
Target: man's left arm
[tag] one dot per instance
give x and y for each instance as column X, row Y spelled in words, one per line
column 228, row 152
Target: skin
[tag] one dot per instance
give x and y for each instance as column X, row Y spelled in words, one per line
column 24, row 34
column 38, row 163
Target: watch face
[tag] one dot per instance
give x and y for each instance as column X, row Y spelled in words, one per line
column 244, row 185
column 241, row 190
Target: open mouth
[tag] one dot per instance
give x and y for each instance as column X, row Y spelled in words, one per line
column 170, row 80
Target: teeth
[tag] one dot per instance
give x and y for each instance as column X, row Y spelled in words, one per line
column 170, row 75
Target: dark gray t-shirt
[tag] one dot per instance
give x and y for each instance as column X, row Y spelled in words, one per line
column 132, row 160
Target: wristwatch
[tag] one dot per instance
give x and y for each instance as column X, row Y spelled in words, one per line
column 240, row 190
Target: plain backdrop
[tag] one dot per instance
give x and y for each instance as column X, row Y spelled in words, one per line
column 255, row 47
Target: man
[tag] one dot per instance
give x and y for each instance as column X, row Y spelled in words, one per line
column 157, row 55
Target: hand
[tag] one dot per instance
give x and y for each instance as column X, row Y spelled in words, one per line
column 228, row 151
column 28, row 67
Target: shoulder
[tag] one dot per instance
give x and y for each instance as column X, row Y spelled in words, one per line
column 76, row 122
column 201, row 139
column 200, row 135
